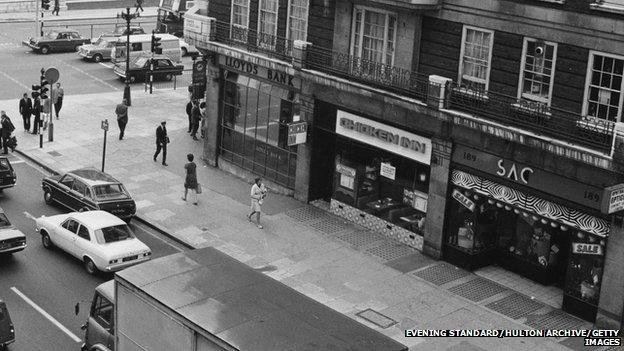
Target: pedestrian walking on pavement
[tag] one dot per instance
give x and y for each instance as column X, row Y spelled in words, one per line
column 195, row 118
column 204, row 122
column 25, row 109
column 161, row 142
column 36, row 113
column 139, row 5
column 189, row 109
column 57, row 7
column 57, row 98
column 258, row 193
column 122, row 117
column 190, row 182
column 7, row 129
column 46, row 111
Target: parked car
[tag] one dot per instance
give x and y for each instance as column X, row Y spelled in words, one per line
column 99, row 49
column 57, row 40
column 187, row 48
column 101, row 240
column 89, row 189
column 164, row 68
column 8, row 178
column 121, row 30
column 11, row 239
column 7, row 331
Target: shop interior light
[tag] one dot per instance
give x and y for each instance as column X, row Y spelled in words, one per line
column 467, row 193
column 499, row 205
column 553, row 224
column 602, row 242
column 516, row 211
column 422, row 177
column 535, row 218
column 525, row 214
column 591, row 239
column 580, row 235
column 490, row 201
column 476, row 197
column 564, row 228
column 544, row 221
column 508, row 208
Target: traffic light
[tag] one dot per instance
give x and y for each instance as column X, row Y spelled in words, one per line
column 44, row 89
column 35, row 91
column 45, row 4
column 156, row 44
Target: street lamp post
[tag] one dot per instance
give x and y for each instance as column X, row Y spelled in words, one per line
column 128, row 17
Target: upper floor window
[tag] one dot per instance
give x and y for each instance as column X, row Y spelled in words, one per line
column 240, row 19
column 374, row 34
column 267, row 23
column 537, row 71
column 603, row 91
column 298, row 20
column 475, row 58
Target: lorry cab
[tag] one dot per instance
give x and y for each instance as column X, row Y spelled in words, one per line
column 7, row 332
column 99, row 328
column 140, row 44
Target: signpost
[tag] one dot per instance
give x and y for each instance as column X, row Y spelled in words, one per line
column 297, row 133
column 104, row 127
column 52, row 76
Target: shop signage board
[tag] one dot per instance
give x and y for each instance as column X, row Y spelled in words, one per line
column 464, row 200
column 385, row 137
column 387, row 170
column 587, row 249
column 523, row 174
column 613, row 199
column 348, row 171
column 297, row 133
column 253, row 69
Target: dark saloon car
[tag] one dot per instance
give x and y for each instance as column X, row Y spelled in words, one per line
column 7, row 174
column 57, row 40
column 7, row 331
column 164, row 68
column 89, row 189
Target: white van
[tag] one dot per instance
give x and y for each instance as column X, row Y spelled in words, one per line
column 141, row 44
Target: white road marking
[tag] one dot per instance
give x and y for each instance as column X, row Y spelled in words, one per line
column 106, row 65
column 29, row 216
column 88, row 75
column 168, row 242
column 14, row 80
column 17, row 161
column 46, row 315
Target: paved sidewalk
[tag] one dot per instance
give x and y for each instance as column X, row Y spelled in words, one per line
column 343, row 266
column 91, row 14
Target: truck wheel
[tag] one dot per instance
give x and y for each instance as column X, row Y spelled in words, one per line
column 45, row 49
column 90, row 266
column 97, row 58
column 47, row 197
column 46, row 241
column 184, row 51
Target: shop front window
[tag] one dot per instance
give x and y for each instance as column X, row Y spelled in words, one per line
column 584, row 275
column 255, row 128
column 386, row 185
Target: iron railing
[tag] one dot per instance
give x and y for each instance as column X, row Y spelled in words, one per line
column 161, row 80
column 535, row 117
column 375, row 74
column 95, row 29
column 251, row 40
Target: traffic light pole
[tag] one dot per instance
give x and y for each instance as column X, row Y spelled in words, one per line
column 42, row 102
column 128, row 17
column 37, row 24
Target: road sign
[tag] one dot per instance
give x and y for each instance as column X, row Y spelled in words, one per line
column 199, row 72
column 52, row 75
column 104, row 124
column 297, row 133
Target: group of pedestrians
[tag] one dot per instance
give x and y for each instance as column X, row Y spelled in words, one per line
column 196, row 113
column 40, row 109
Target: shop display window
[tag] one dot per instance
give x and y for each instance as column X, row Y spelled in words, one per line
column 585, row 266
column 386, row 185
column 255, row 128
column 472, row 222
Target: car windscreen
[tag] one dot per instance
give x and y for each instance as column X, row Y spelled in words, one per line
column 141, row 61
column 109, row 191
column 52, row 35
column 4, row 221
column 4, row 165
column 113, row 234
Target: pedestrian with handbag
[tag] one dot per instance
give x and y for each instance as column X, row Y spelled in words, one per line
column 190, row 182
column 258, row 193
column 161, row 142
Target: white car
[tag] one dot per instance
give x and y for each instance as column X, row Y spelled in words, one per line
column 186, row 48
column 103, row 241
column 11, row 238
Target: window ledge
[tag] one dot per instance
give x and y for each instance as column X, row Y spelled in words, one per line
column 607, row 7
column 597, row 124
column 473, row 94
column 561, row 2
column 530, row 109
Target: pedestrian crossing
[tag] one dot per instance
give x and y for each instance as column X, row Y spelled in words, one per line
column 10, row 45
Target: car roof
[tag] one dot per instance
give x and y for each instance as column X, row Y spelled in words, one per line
column 93, row 176
column 149, row 55
column 98, row 219
column 148, row 37
column 61, row 29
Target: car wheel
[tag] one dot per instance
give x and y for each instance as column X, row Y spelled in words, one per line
column 47, row 197
column 184, row 51
column 45, row 49
column 90, row 266
column 46, row 241
column 97, row 58
column 168, row 76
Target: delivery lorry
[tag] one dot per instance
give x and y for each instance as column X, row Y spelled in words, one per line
column 204, row 300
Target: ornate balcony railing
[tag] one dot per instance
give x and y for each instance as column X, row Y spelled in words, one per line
column 372, row 73
column 538, row 118
column 252, row 40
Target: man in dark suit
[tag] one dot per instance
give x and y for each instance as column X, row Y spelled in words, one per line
column 36, row 111
column 161, row 142
column 7, row 129
column 25, row 109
